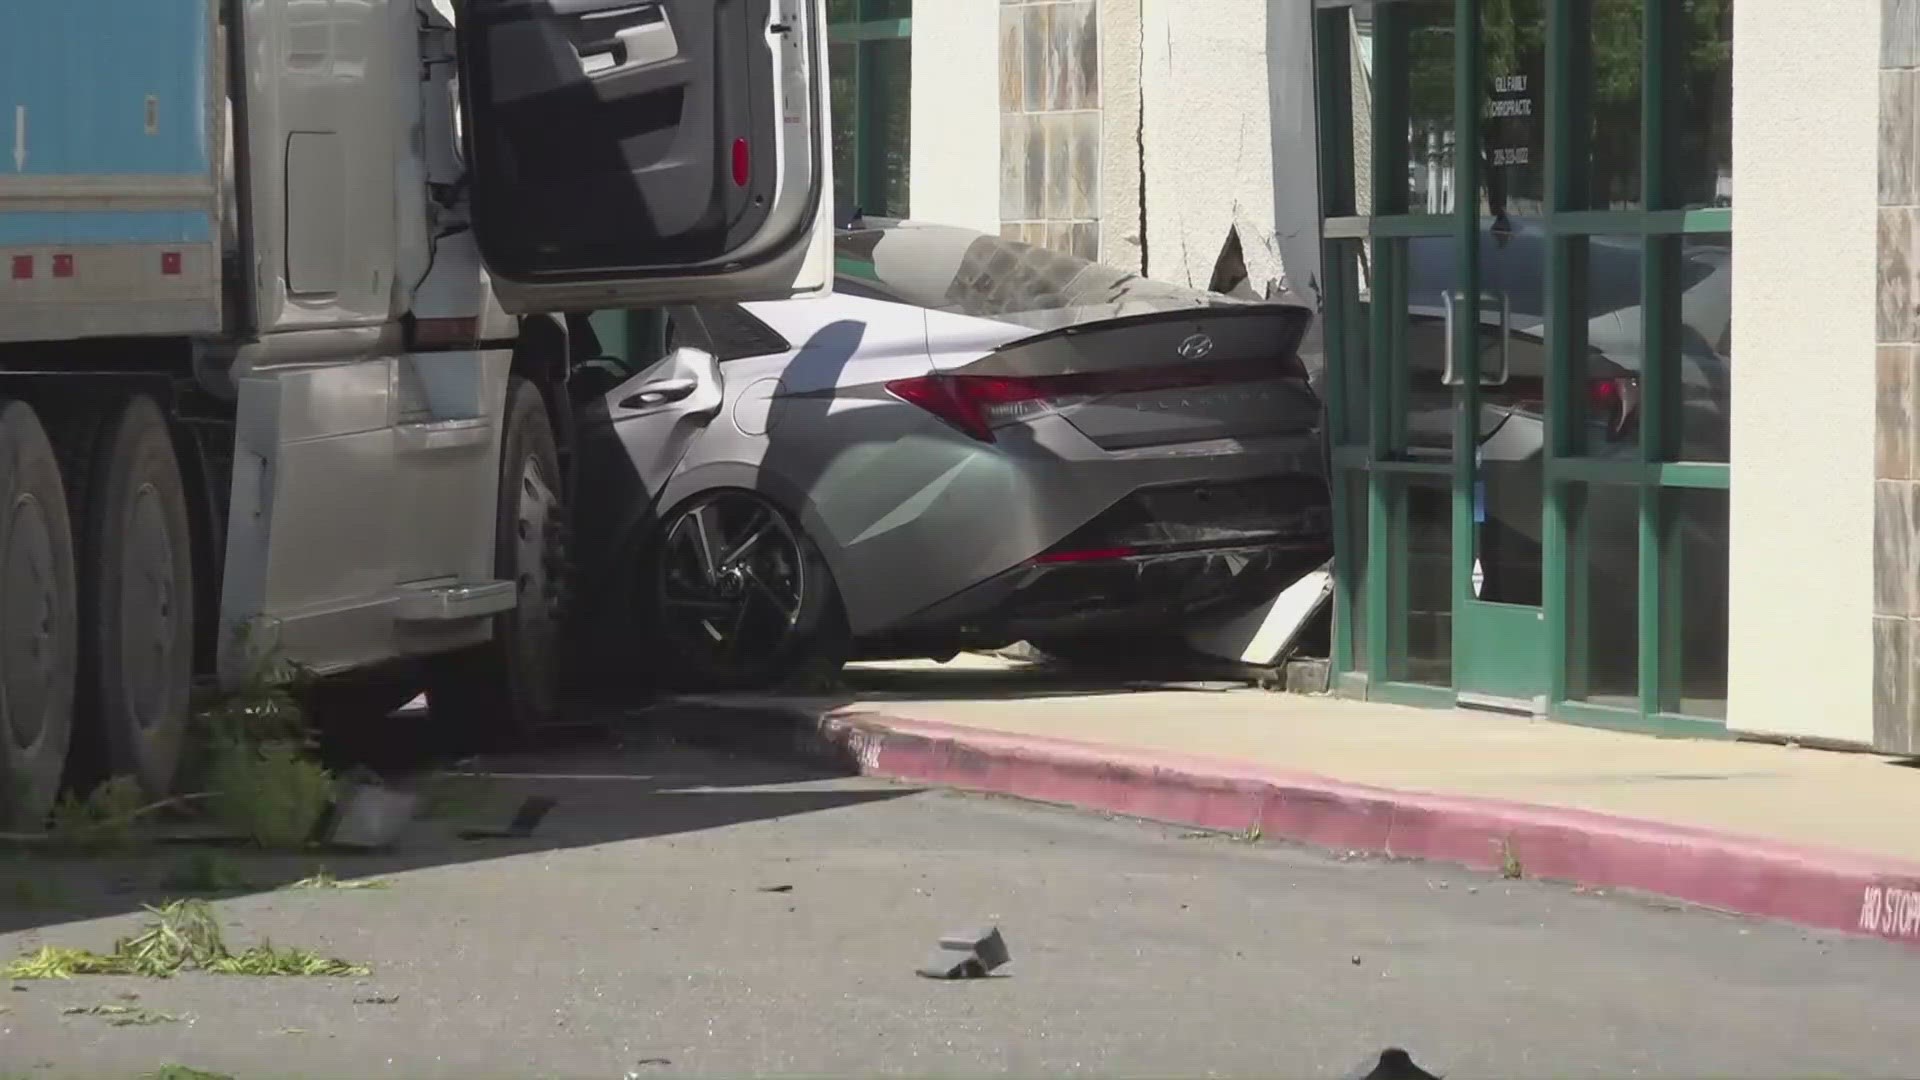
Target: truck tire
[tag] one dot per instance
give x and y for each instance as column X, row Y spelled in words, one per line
column 39, row 623
column 502, row 693
column 137, row 602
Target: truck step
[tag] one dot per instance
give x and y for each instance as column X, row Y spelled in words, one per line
column 448, row 603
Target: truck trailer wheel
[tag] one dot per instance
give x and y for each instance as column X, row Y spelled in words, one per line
column 39, row 639
column 504, row 691
column 137, row 602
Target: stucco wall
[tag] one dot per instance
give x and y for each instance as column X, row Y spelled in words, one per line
column 1805, row 133
column 1120, row 236
column 1208, row 138
column 955, row 149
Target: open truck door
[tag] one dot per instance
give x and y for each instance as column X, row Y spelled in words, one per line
column 635, row 153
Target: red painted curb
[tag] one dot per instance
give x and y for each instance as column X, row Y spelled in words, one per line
column 1830, row 890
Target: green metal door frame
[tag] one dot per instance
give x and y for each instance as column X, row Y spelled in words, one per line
column 1364, row 216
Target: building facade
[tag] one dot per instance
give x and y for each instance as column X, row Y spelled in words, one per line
column 1557, row 494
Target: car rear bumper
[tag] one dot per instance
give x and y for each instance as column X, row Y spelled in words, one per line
column 1152, row 590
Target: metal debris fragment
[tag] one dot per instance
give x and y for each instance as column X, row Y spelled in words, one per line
column 967, row 954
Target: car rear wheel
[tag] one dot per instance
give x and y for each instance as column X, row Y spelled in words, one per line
column 743, row 599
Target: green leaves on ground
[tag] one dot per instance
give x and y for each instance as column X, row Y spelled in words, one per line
column 272, row 793
column 100, row 823
column 325, row 880
column 182, row 1072
column 184, row 937
column 122, row 1015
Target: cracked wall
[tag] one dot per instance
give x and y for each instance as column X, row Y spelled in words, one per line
column 1208, row 135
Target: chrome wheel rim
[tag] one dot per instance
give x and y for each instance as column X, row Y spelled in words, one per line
column 733, row 581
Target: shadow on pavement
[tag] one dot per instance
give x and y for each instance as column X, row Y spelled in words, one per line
column 616, row 783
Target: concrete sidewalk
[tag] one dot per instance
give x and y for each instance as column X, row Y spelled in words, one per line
column 1816, row 837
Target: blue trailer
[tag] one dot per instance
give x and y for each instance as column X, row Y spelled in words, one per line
column 114, row 126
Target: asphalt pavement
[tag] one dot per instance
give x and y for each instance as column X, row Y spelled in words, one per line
column 687, row 913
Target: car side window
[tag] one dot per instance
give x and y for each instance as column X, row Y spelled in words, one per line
column 736, row 334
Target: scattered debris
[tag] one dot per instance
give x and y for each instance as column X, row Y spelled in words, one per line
column 1509, row 861
column 1252, row 834
column 182, row 1072
column 1356, row 961
column 776, row 888
column 185, row 937
column 370, row 816
column 122, row 1015
column 647, row 1062
column 377, row 999
column 967, row 955
column 524, row 821
column 321, row 879
column 1392, row 1064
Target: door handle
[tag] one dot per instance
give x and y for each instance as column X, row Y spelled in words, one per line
column 641, row 37
column 1447, row 300
column 1505, row 370
column 1506, row 343
column 661, row 393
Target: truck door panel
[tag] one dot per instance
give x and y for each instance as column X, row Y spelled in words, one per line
column 628, row 153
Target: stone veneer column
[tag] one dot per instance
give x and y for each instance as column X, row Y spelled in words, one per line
column 1896, row 485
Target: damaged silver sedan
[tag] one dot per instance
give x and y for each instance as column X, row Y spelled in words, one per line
column 974, row 442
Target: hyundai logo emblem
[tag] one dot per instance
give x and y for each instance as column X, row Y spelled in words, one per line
column 1195, row 347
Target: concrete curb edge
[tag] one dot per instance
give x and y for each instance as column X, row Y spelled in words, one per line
column 1811, row 887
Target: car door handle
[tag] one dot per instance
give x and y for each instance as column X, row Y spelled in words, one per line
column 661, row 393
column 632, row 37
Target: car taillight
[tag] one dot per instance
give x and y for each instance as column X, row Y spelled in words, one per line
column 976, row 404
column 1615, row 400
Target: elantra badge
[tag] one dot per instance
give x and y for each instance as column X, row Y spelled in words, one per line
column 1195, row 347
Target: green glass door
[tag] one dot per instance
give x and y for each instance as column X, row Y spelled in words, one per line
column 1433, row 179
column 1499, row 385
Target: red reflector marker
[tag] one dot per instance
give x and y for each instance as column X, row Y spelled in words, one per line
column 742, row 163
column 63, row 266
column 453, row 333
column 170, row 263
column 1088, row 555
column 22, row 267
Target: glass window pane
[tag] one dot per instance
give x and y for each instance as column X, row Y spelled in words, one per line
column 1421, row 271
column 889, row 81
column 1353, row 565
column 1341, row 94
column 1513, row 108
column 1428, row 41
column 1693, row 601
column 1614, row 74
column 1702, row 104
column 1605, row 274
column 843, row 11
column 1603, row 594
column 887, row 9
column 1348, row 302
column 842, row 74
column 1700, row 388
column 1420, row 644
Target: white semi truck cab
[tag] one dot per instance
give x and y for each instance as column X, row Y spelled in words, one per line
column 285, row 297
